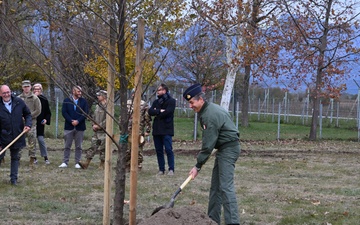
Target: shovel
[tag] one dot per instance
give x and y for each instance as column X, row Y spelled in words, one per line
column 13, row 141
column 172, row 200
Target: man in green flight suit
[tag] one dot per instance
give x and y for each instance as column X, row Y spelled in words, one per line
column 219, row 132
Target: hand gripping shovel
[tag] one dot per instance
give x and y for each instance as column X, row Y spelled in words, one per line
column 172, row 200
column 13, row 141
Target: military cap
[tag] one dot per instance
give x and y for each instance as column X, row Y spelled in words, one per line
column 101, row 92
column 192, row 91
column 26, row 83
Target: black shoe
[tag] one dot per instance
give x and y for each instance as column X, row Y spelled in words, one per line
column 13, row 182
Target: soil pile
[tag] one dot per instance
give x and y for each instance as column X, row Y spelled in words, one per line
column 179, row 216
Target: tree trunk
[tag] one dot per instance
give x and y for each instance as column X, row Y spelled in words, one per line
column 319, row 73
column 53, row 58
column 230, row 77
column 245, row 98
column 120, row 177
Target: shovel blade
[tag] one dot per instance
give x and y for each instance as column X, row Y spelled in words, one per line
column 158, row 209
column 167, row 206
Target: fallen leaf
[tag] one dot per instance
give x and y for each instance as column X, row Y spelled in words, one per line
column 316, row 202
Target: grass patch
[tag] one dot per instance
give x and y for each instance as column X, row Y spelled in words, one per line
column 275, row 185
column 294, row 128
column 290, row 181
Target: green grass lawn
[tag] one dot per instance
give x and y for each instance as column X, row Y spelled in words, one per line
column 286, row 182
column 263, row 129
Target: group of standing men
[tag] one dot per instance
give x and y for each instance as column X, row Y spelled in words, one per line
column 26, row 113
column 162, row 110
column 29, row 112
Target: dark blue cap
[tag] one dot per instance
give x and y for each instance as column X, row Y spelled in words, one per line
column 192, row 91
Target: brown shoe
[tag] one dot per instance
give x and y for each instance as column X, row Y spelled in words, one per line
column 84, row 165
column 102, row 165
column 32, row 161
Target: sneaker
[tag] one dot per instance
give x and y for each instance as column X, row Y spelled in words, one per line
column 47, row 162
column 35, row 161
column 170, row 173
column 63, row 165
column 161, row 173
column 77, row 166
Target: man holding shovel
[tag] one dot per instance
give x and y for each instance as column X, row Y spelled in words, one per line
column 15, row 120
column 219, row 132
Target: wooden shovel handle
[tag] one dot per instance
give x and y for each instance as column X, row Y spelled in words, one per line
column 186, row 182
column 13, row 141
column 179, row 190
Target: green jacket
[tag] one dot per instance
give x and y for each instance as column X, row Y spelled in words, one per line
column 218, row 131
column 100, row 116
column 33, row 103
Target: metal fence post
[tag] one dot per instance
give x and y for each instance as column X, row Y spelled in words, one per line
column 278, row 130
column 57, row 117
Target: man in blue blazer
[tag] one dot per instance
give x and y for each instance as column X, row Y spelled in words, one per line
column 74, row 110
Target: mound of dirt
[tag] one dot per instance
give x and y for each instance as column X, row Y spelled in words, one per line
column 179, row 216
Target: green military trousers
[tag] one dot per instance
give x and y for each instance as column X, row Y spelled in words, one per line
column 222, row 190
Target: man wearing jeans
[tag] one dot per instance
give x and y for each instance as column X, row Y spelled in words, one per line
column 162, row 110
column 74, row 111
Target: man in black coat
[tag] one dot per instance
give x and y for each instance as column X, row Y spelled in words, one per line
column 162, row 110
column 15, row 117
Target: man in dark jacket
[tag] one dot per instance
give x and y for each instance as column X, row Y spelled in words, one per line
column 162, row 110
column 74, row 111
column 219, row 132
column 15, row 117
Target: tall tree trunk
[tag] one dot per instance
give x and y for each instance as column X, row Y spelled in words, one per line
column 245, row 98
column 319, row 74
column 52, row 59
column 230, row 77
column 120, row 177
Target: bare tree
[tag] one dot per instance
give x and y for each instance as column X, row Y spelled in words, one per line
column 240, row 22
column 320, row 39
column 198, row 56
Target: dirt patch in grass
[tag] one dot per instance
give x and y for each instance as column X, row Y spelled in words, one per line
column 179, row 216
